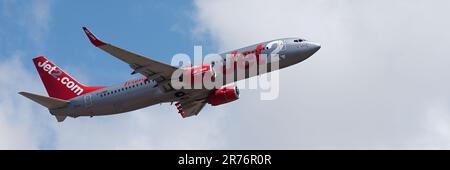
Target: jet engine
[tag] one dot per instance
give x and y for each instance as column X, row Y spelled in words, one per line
column 224, row 95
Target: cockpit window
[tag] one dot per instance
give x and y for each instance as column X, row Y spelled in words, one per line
column 299, row 40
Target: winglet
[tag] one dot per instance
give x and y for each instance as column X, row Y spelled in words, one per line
column 92, row 38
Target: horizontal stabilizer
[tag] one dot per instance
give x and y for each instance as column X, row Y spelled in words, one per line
column 48, row 102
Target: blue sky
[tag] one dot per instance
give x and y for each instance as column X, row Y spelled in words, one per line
column 152, row 28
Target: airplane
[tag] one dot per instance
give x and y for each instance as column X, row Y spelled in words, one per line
column 70, row 98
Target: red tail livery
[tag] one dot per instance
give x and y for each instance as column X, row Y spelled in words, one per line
column 58, row 83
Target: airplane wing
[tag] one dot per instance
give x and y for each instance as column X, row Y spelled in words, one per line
column 190, row 108
column 152, row 69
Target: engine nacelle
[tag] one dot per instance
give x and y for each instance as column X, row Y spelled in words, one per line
column 195, row 75
column 224, row 95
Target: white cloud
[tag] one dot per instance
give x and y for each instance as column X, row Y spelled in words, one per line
column 381, row 65
column 156, row 127
column 20, row 121
column 23, row 125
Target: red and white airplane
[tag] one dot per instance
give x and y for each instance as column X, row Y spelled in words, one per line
column 68, row 97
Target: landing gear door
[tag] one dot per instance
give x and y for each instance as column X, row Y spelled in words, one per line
column 87, row 100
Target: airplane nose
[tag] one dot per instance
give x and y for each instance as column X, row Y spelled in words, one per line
column 301, row 51
column 313, row 47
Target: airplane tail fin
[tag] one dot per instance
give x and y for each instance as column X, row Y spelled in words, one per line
column 59, row 84
column 48, row 102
